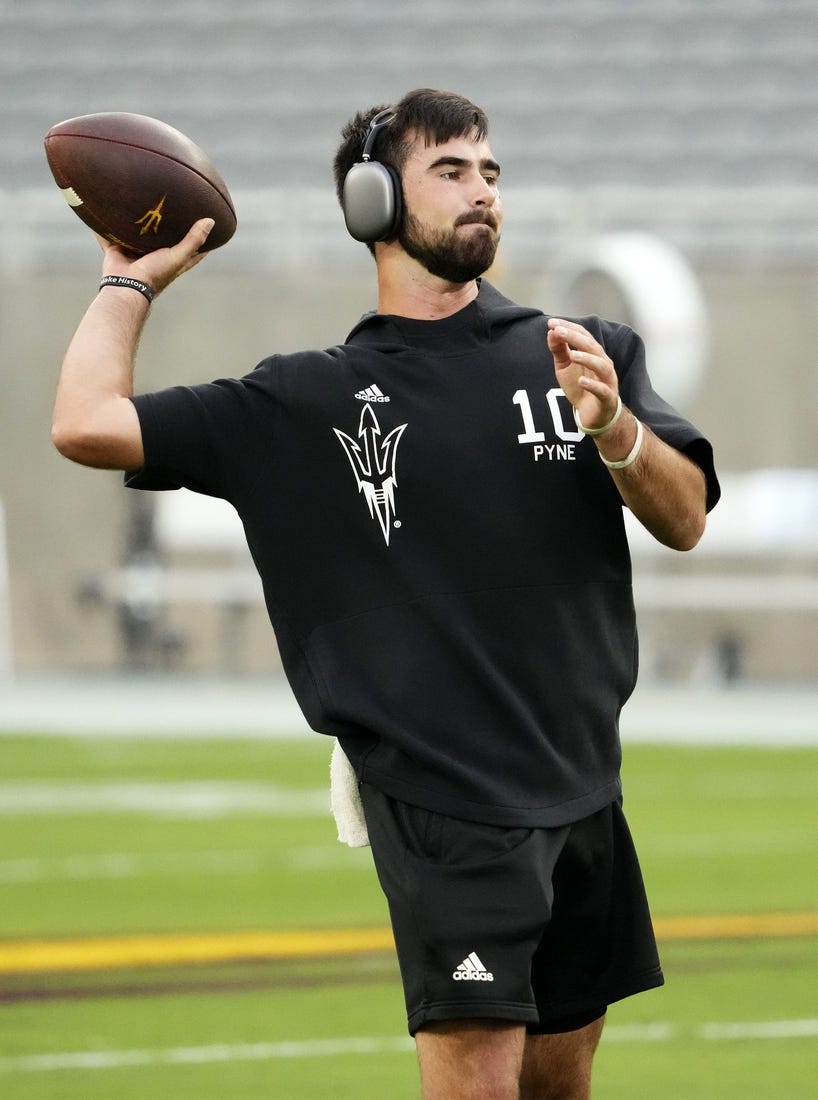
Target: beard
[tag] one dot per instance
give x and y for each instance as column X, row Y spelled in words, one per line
column 447, row 254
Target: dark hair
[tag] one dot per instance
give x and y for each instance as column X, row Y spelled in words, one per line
column 436, row 116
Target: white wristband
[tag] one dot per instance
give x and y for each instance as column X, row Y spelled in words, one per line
column 632, row 457
column 604, row 428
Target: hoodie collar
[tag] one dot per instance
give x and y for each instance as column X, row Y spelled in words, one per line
column 489, row 308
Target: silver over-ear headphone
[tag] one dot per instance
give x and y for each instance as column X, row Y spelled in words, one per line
column 371, row 198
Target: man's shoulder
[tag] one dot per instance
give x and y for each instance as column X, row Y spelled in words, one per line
column 608, row 332
column 311, row 359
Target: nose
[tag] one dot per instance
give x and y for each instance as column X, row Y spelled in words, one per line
column 485, row 195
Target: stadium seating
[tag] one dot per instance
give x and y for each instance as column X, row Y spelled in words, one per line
column 672, row 95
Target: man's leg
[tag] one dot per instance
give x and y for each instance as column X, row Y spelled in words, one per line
column 558, row 1067
column 471, row 1060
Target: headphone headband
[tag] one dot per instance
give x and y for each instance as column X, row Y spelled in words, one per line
column 378, row 123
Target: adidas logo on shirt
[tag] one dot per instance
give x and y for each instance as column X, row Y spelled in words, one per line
column 371, row 393
column 472, row 970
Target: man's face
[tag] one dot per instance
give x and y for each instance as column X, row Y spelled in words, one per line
column 453, row 213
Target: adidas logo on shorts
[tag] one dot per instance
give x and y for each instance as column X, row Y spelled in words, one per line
column 372, row 393
column 472, row 970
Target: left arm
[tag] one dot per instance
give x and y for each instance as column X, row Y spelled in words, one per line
column 663, row 488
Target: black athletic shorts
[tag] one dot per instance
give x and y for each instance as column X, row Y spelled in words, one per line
column 546, row 927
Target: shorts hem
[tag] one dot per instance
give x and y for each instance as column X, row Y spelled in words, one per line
column 561, row 1025
column 551, row 1014
column 456, row 1010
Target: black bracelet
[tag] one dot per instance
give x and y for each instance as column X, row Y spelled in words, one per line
column 131, row 284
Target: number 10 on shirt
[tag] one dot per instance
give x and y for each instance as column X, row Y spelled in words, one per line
column 529, row 433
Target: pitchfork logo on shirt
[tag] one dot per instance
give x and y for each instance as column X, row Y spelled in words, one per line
column 373, row 462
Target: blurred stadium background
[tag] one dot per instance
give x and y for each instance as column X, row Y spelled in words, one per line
column 647, row 145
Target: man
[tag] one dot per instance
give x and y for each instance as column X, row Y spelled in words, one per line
column 435, row 508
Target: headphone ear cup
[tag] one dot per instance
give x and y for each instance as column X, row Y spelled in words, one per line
column 372, row 201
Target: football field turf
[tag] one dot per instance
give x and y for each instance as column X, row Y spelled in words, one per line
column 178, row 920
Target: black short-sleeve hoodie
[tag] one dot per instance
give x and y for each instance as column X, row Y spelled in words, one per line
column 442, row 552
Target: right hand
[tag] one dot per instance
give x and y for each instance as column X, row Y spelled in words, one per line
column 158, row 269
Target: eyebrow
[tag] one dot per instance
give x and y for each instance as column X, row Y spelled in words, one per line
column 462, row 162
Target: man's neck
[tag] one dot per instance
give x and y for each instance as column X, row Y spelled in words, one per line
column 410, row 291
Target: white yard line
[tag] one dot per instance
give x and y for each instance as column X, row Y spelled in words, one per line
column 125, row 865
column 333, row 1048
column 789, row 841
column 769, row 1029
column 227, row 1052
column 204, row 799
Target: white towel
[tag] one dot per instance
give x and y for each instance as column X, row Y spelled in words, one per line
column 345, row 801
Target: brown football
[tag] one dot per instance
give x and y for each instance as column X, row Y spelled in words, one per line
column 137, row 181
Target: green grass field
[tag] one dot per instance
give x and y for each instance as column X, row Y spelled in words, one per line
column 112, row 844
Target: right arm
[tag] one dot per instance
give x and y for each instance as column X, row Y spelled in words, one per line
column 95, row 422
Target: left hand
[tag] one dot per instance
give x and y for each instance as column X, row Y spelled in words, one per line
column 584, row 372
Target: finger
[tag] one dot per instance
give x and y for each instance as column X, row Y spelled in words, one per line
column 599, row 365
column 597, row 387
column 571, row 326
column 178, row 254
column 198, row 233
column 559, row 348
column 575, row 335
column 565, row 356
column 109, row 246
column 581, row 350
column 162, row 266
